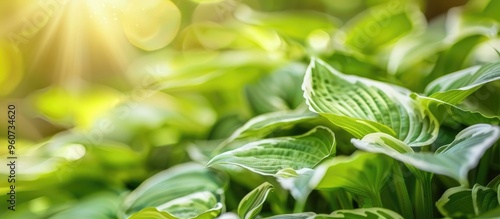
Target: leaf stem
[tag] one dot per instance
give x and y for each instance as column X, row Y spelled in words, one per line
column 300, row 205
column 423, row 197
column 375, row 198
column 402, row 192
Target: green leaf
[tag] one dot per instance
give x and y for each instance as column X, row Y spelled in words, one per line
column 455, row 87
column 265, row 124
column 305, row 215
column 251, row 204
column 278, row 91
column 295, row 24
column 453, row 160
column 443, row 110
column 366, row 213
column 169, row 185
column 102, row 205
column 484, row 199
column 270, row 156
column 361, row 173
column 456, row 202
column 362, row 106
column 381, row 25
column 362, row 213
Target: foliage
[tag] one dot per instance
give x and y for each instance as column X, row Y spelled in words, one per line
column 268, row 112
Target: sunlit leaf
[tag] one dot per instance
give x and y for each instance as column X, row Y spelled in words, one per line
column 455, row 87
column 362, row 106
column 75, row 107
column 171, row 184
column 270, row 156
column 381, row 25
column 303, row 22
column 251, row 204
column 265, row 124
column 199, row 205
column 361, row 173
column 453, row 160
column 443, row 110
column 99, row 206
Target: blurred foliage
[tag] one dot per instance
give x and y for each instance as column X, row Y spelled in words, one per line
column 121, row 103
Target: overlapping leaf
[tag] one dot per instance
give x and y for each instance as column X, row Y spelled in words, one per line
column 453, row 160
column 361, row 173
column 251, row 204
column 455, row 87
column 270, row 156
column 173, row 184
column 362, row 213
column 363, row 106
column 199, row 205
column 264, row 124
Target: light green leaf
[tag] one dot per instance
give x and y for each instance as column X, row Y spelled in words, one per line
column 196, row 205
column 453, row 160
column 483, row 199
column 490, row 214
column 176, row 182
column 102, row 205
column 362, row 213
column 361, row 173
column 443, row 110
column 270, row 156
column 148, row 213
column 278, row 91
column 251, row 204
column 295, row 24
column 455, row 87
column 362, row 106
column 366, row 213
column 381, row 25
column 265, row 124
column 456, row 202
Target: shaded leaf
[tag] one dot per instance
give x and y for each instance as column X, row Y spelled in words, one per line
column 251, row 204
column 265, row 124
column 381, row 25
column 484, row 199
column 304, row 22
column 270, row 156
column 456, row 202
